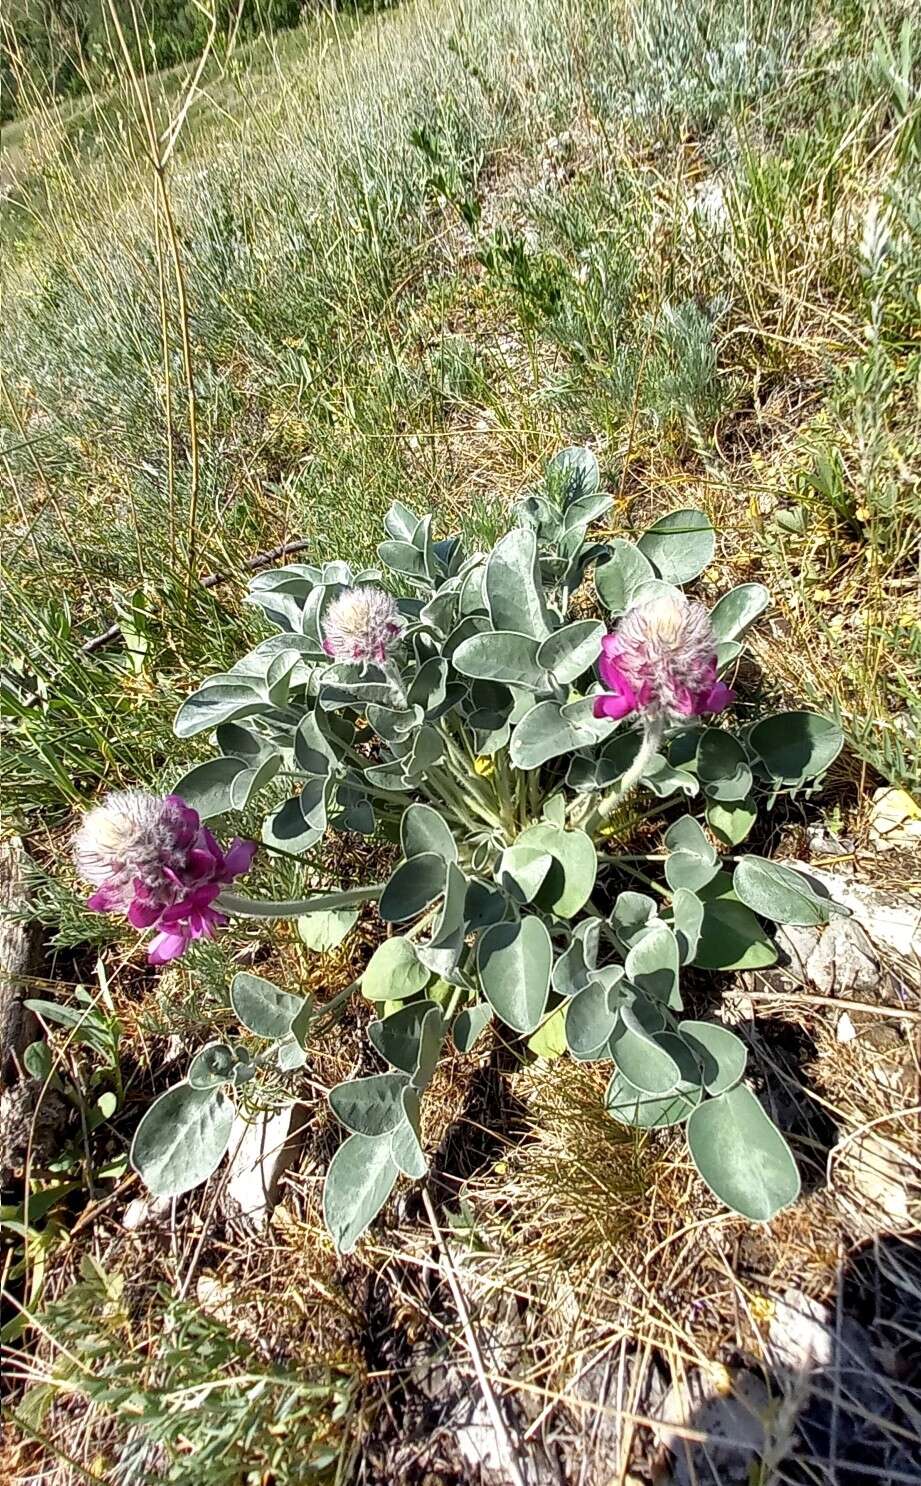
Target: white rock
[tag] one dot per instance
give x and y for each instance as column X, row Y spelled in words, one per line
column 733, row 1422
column 262, row 1147
column 845, row 1030
column 843, row 962
column 890, row 923
column 143, row 1210
column 877, row 1183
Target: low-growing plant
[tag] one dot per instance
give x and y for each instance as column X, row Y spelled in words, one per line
column 507, row 742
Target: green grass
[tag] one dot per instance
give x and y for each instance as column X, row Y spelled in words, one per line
column 410, row 256
column 419, row 252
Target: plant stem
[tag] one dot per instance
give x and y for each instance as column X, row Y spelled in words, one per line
column 653, row 732
column 297, row 907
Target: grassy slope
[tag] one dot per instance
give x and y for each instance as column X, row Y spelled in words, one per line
column 694, row 243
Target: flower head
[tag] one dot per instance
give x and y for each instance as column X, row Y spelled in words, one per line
column 362, row 625
column 150, row 858
column 661, row 661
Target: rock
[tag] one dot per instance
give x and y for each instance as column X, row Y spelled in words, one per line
column 843, row 962
column 895, row 820
column 828, row 1365
column 734, row 1424
column 262, row 1147
column 614, row 1390
column 845, row 1031
column 892, row 924
column 143, row 1210
column 876, row 1184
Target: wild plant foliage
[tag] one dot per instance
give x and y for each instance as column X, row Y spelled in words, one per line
column 469, row 707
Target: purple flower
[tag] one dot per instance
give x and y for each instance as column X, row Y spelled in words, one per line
column 151, row 859
column 661, row 661
column 362, row 626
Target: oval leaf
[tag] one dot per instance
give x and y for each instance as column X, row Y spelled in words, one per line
column 737, row 609
column 731, row 938
column 514, row 963
column 781, row 893
column 370, row 1106
column 742, row 1156
column 569, row 883
column 262, row 1007
column 507, row 657
column 414, row 885
column 619, row 580
column 721, row 1054
column 360, row 1178
column 207, row 787
column 394, row 972
column 324, row 932
column 182, row 1139
column 423, row 831
column 632, row 1106
column 794, row 746
column 679, row 545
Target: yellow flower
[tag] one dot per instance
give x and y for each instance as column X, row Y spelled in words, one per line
column 484, row 766
column 606, row 832
column 762, row 1309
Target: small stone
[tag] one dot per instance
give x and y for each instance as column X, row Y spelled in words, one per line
column 895, row 820
column 143, row 1210
column 845, row 1030
column 843, row 961
column 798, row 943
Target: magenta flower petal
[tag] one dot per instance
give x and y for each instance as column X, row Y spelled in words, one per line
column 238, row 857
column 718, row 697
column 614, row 707
column 151, row 859
column 168, row 945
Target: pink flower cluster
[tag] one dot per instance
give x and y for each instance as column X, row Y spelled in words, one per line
column 661, row 661
column 362, row 625
column 151, row 859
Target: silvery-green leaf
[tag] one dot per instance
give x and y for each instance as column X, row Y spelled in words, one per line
column 731, row 938
column 620, row 578
column 632, row 917
column 590, row 1019
column 238, row 742
column 733, row 821
column 571, row 650
column 721, row 1054
column 431, row 1037
column 205, row 709
column 521, row 871
column 469, row 1025
column 262, row 1007
column 324, row 932
column 505, row 657
column 742, row 1156
column 652, row 966
column 687, row 920
column 290, row 1056
column 795, row 746
column 400, row 522
column 484, row 905
column 394, row 972
column 513, row 586
column 443, row 951
column 679, row 545
column 781, row 893
column 427, row 750
column 573, row 474
column 632, row 1106
column 182, row 1139
column 414, row 885
column 404, row 558
column 312, row 751
column 360, row 1178
column 692, row 862
column 575, row 965
column 397, row 1037
column 722, row 766
column 429, row 684
column 405, row 1145
column 369, row 1106
column 554, row 810
column 251, row 781
column 737, row 609
column 287, row 828
column 545, row 733
column 643, row 1059
column 569, row 883
column 213, row 1066
column 514, row 963
column 206, row 787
